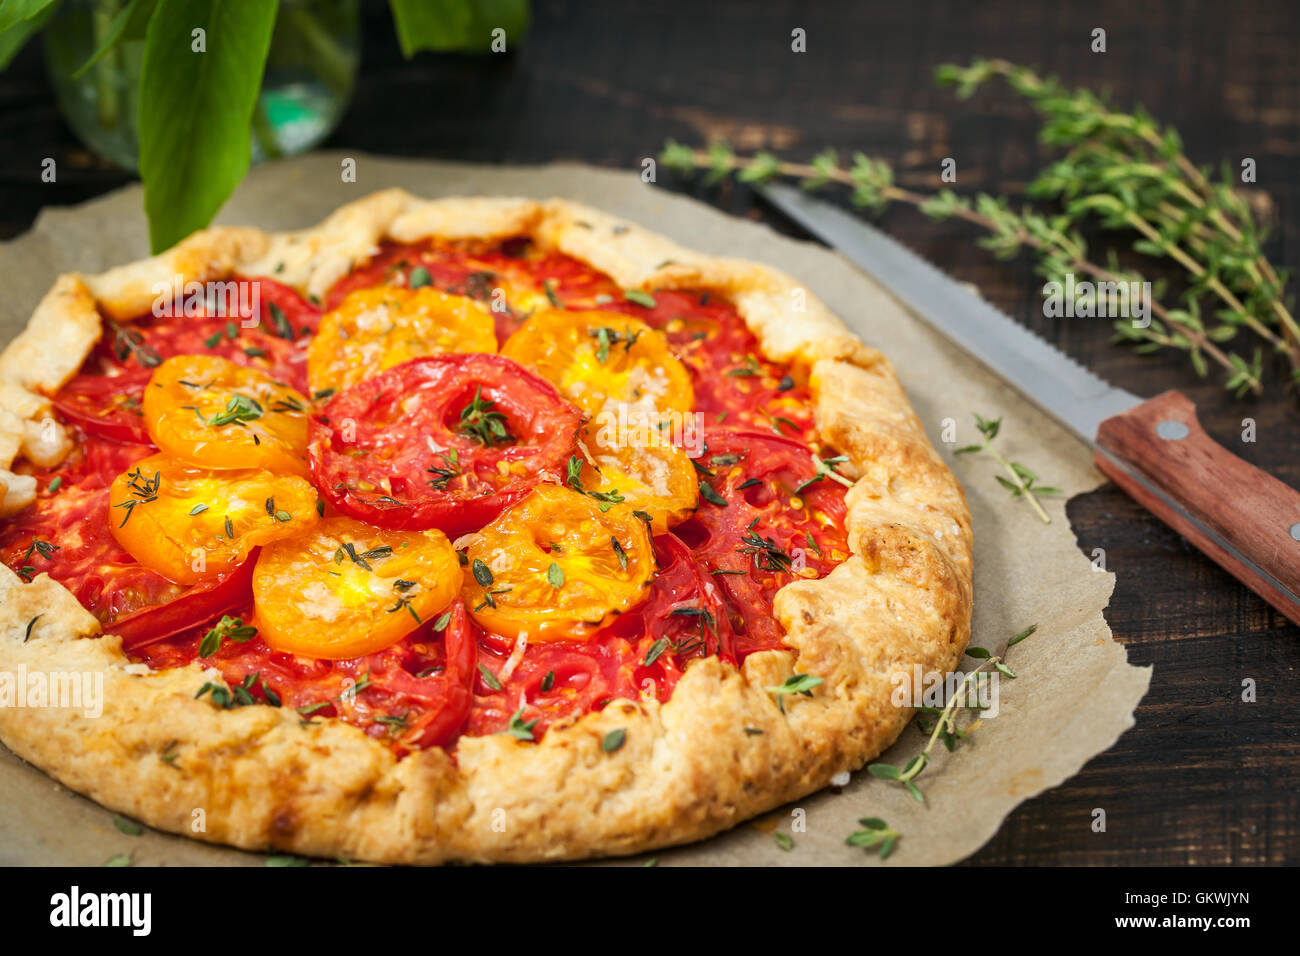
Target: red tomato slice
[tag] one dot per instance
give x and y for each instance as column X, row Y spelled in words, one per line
column 108, row 406
column 686, row 608
column 417, row 693
column 199, row 604
column 440, row 724
column 772, row 527
column 444, row 441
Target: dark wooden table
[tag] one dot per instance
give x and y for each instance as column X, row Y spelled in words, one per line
column 1203, row 777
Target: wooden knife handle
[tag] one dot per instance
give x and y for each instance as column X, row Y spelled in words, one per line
column 1244, row 519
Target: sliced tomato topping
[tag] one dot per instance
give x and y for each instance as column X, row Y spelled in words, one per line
column 557, row 565
column 375, row 329
column 198, row 604
column 66, row 533
column 511, row 278
column 683, row 619
column 445, row 442
column 413, row 694
column 637, row 395
column 768, row 515
column 107, row 406
column 734, row 383
column 604, row 362
column 343, row 589
column 418, row 436
column 192, row 525
column 641, row 469
column 214, row 414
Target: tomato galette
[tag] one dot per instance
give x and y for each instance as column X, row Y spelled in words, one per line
column 465, row 529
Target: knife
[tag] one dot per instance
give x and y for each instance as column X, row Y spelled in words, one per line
column 1242, row 518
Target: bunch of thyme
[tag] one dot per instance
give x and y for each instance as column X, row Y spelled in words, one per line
column 1131, row 173
column 1205, row 227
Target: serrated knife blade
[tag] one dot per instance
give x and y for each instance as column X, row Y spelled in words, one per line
column 1049, row 378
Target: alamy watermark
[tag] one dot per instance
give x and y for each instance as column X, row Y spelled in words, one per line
column 1087, row 299
column 68, row 690
column 230, row 299
column 935, row 689
column 635, row 428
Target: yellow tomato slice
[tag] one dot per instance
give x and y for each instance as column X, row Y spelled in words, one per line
column 603, row 360
column 647, row 472
column 556, row 566
column 344, row 589
column 215, row 414
column 375, row 329
column 191, row 524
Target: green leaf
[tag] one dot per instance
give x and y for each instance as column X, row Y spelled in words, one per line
column 457, row 24
column 129, row 827
column 613, row 740
column 131, row 22
column 711, row 496
column 119, row 859
column 656, row 649
column 282, row 861
column 17, row 26
column 885, row 771
column 489, row 678
column 521, row 729
column 639, row 297
column 13, row 12
column 1022, row 635
column 555, row 575
column 195, row 113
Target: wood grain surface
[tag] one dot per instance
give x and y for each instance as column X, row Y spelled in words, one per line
column 1204, row 777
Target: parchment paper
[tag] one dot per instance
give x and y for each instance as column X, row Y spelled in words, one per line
column 1075, row 693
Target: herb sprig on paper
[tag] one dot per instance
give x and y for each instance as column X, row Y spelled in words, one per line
column 1022, row 483
column 945, row 728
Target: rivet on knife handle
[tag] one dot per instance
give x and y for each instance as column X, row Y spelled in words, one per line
column 1247, row 521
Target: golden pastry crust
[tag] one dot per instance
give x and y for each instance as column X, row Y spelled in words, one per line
column 688, row 769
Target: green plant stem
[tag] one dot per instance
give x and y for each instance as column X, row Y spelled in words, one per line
column 1176, row 253
column 1258, row 271
column 706, row 160
column 106, row 98
column 1018, row 482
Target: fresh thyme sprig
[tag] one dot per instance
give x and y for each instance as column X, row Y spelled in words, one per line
column 228, row 628
column 1138, row 175
column 143, row 491
column 480, row 421
column 1023, row 483
column 1054, row 240
column 946, row 729
column 129, row 342
column 875, row 833
column 604, row 499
